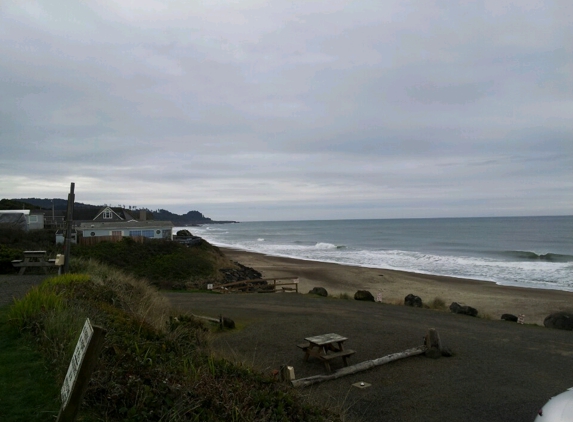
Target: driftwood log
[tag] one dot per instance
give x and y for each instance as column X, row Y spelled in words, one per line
column 359, row 367
column 223, row 322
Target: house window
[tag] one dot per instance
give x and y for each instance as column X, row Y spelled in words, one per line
column 144, row 233
column 33, row 219
column 107, row 214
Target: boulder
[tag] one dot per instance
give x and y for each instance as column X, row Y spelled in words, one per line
column 509, row 317
column 228, row 323
column 413, row 300
column 363, row 295
column 456, row 308
column 320, row 291
column 560, row 321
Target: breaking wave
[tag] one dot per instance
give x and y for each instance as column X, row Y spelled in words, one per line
column 324, row 245
column 532, row 256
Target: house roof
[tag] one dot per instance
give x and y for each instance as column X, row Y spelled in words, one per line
column 146, row 224
column 25, row 212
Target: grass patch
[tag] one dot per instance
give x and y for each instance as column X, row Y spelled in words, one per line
column 28, row 391
column 345, row 296
column 438, row 303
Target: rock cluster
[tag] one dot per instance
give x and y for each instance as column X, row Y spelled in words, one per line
column 456, row 308
column 243, row 273
column 413, row 300
column 509, row 317
column 320, row 291
column 559, row 320
column 364, row 295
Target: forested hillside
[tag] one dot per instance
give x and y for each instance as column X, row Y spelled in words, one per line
column 191, row 217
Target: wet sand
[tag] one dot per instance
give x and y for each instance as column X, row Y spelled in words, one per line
column 491, row 300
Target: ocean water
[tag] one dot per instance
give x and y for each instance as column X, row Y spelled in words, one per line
column 535, row 252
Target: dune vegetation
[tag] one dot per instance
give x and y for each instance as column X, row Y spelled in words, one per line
column 156, row 365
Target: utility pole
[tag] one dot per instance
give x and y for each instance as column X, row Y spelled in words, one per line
column 69, row 223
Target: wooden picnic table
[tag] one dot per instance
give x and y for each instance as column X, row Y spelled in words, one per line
column 326, row 347
column 33, row 259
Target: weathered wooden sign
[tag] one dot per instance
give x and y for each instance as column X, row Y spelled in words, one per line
column 81, row 366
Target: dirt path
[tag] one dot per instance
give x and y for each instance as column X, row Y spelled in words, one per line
column 501, row 371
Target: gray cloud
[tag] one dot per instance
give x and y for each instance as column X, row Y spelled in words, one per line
column 257, row 110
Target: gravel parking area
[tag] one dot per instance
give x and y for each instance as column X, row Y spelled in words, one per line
column 500, row 371
column 15, row 286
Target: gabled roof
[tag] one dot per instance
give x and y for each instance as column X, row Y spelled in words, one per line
column 104, row 209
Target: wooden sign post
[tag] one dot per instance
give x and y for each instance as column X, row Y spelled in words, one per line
column 69, row 226
column 79, row 372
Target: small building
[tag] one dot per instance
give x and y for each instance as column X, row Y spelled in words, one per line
column 35, row 220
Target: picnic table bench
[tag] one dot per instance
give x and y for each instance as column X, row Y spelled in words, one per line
column 36, row 259
column 326, row 347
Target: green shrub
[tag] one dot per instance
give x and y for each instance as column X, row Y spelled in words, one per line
column 44, row 239
column 8, row 254
column 159, row 261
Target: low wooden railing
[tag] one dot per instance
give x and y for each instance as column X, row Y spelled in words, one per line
column 266, row 285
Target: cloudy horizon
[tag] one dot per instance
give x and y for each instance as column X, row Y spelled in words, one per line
column 282, row 110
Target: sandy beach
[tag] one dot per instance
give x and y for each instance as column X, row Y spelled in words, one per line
column 490, row 299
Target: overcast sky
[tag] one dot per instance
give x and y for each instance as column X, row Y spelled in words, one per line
column 280, row 110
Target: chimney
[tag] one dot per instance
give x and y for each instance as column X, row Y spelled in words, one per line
column 142, row 215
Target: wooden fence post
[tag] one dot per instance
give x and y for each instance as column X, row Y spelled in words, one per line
column 69, row 225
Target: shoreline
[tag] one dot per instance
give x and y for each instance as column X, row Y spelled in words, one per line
column 490, row 299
